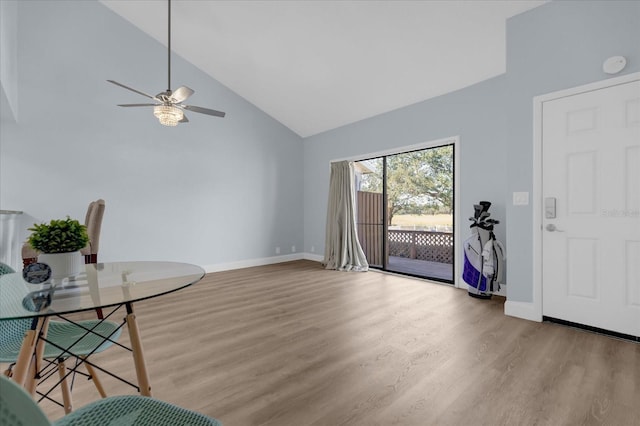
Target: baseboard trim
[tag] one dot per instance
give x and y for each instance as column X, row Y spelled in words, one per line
column 524, row 310
column 249, row 263
column 314, row 257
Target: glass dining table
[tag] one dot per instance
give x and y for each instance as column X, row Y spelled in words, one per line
column 108, row 286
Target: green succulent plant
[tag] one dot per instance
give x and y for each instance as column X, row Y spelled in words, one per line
column 58, row 236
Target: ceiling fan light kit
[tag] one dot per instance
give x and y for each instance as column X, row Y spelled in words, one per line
column 168, row 114
column 169, row 110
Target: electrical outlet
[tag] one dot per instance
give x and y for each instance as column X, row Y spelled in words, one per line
column 293, row 249
column 313, row 249
column 277, row 250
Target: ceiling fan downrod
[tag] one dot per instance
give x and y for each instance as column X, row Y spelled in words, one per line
column 169, row 48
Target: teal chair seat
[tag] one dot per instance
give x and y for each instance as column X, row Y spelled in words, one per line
column 18, row 408
column 62, row 334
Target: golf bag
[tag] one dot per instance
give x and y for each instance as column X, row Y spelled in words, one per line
column 484, row 256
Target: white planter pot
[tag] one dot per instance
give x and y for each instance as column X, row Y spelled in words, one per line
column 63, row 265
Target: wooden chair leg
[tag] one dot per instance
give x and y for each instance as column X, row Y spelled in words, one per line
column 96, row 380
column 138, row 354
column 23, row 363
column 32, row 379
column 31, row 382
column 64, row 387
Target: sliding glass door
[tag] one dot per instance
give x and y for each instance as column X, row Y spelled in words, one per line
column 405, row 212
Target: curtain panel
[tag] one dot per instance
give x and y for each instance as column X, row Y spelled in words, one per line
column 342, row 248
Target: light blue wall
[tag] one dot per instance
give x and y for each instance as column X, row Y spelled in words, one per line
column 559, row 45
column 8, row 62
column 476, row 114
column 209, row 192
column 556, row 46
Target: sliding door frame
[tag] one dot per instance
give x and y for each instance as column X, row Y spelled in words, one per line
column 457, row 241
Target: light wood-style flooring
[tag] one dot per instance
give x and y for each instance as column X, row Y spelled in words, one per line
column 293, row 344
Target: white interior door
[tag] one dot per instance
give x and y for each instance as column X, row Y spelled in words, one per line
column 591, row 169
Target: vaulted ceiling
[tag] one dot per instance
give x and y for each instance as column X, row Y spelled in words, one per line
column 318, row 65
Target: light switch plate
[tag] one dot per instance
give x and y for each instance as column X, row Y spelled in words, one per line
column 520, row 198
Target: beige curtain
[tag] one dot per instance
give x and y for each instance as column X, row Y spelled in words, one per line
column 342, row 248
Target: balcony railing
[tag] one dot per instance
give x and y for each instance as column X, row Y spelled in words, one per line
column 421, row 245
column 432, row 246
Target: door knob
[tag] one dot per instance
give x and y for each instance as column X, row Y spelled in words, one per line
column 552, row 228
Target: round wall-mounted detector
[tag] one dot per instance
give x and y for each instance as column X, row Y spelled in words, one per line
column 614, row 64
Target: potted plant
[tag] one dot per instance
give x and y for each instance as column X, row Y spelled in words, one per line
column 59, row 243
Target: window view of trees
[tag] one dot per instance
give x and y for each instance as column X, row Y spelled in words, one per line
column 418, row 183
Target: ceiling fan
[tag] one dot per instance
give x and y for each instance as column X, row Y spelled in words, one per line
column 169, row 107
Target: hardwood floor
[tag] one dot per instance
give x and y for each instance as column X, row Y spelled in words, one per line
column 294, row 344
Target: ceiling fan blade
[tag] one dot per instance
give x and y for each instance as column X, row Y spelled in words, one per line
column 129, row 88
column 184, row 119
column 204, row 110
column 181, row 94
column 136, row 105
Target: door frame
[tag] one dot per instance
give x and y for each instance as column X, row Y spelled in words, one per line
column 538, row 102
column 457, row 238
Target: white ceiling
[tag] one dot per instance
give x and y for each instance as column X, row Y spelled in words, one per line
column 318, row 65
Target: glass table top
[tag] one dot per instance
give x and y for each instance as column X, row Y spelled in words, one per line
column 101, row 285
